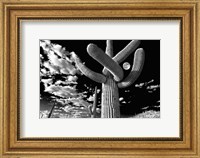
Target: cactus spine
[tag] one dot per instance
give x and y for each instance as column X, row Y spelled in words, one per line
column 112, row 77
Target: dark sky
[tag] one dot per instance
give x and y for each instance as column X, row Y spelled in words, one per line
column 152, row 55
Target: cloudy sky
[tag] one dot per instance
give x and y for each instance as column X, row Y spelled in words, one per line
column 63, row 83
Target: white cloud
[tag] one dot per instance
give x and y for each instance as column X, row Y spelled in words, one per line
column 41, row 56
column 69, row 89
column 153, row 86
column 57, row 110
column 59, row 50
column 139, row 85
column 66, row 58
column 67, row 108
column 43, row 71
column 52, row 88
column 73, row 55
column 52, row 58
column 72, row 78
column 47, row 81
column 53, row 69
column 59, row 82
column 45, row 44
column 65, row 91
column 151, row 81
column 91, row 98
column 78, row 102
column 65, row 82
column 60, row 101
column 82, row 103
column 65, row 66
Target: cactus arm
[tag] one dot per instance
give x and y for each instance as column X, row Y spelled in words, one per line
column 109, row 48
column 138, row 63
column 106, row 61
column 124, row 53
column 97, row 77
column 109, row 52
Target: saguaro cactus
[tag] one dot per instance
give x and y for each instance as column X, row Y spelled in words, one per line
column 113, row 76
column 93, row 107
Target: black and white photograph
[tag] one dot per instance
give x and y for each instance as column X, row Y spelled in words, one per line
column 99, row 78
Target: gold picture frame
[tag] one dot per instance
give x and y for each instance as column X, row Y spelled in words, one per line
column 187, row 11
